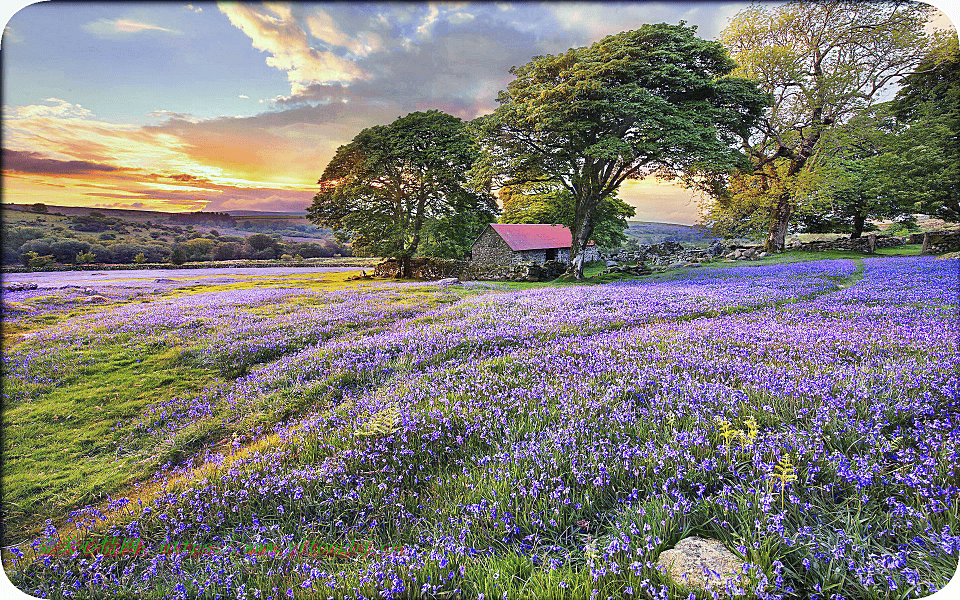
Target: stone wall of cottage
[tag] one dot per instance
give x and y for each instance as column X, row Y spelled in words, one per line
column 491, row 249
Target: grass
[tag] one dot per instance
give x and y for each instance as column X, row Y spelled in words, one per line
column 61, row 446
column 62, row 449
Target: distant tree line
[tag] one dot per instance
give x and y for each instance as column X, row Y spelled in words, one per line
column 121, row 242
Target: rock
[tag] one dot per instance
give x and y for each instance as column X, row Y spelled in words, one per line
column 611, row 263
column 449, row 281
column 96, row 299
column 701, row 563
column 163, row 280
column 21, row 286
column 676, row 265
column 761, row 255
column 749, row 252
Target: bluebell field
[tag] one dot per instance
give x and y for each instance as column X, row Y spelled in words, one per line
column 541, row 443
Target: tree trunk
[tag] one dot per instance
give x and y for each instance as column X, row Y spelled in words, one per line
column 779, row 221
column 405, row 270
column 859, row 219
column 583, row 231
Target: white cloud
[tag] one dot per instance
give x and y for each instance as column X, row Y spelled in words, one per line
column 10, row 36
column 61, row 109
column 458, row 18
column 106, row 28
column 274, row 30
column 244, row 96
column 322, row 27
column 194, row 9
column 424, row 29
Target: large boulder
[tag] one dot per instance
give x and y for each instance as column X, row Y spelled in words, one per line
column 21, row 286
column 701, row 563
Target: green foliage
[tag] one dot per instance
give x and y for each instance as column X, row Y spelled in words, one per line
column 140, row 258
column 547, row 202
column 381, row 189
column 654, row 100
column 925, row 158
column 177, row 255
column 852, row 182
column 810, row 57
column 452, row 236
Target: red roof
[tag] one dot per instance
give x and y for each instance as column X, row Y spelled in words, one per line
column 534, row 237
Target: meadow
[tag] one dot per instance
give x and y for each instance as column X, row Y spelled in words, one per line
column 494, row 440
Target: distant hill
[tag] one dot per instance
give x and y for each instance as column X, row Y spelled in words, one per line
column 651, row 232
column 146, row 215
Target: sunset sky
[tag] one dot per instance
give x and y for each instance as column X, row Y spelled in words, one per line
column 240, row 106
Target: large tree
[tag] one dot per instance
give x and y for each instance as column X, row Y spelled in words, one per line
column 633, row 104
column 852, row 181
column 381, row 189
column 925, row 158
column 550, row 202
column 823, row 63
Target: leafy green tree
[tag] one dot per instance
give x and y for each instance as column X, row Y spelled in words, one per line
column 852, row 182
column 452, row 236
column 654, row 100
column 65, row 251
column 226, row 251
column 823, row 63
column 925, row 158
column 381, row 189
column 547, row 202
column 140, row 258
column 177, row 255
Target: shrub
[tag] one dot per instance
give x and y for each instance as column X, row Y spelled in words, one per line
column 178, row 256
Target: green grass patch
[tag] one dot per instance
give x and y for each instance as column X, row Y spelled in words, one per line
column 62, row 449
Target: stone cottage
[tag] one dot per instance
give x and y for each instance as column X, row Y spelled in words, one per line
column 509, row 244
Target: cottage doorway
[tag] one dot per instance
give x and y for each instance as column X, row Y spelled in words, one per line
column 551, row 254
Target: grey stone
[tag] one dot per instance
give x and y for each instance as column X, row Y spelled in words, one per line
column 449, row 281
column 701, row 563
column 611, row 263
column 21, row 286
column 163, row 280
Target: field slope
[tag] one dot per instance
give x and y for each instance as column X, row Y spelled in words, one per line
column 491, row 441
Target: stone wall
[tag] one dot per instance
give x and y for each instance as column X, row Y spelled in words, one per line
column 491, row 249
column 938, row 242
column 430, row 269
column 861, row 244
column 523, row 271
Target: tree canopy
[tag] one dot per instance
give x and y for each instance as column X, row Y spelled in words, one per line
column 391, row 181
column 656, row 99
column 925, row 158
column 823, row 63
